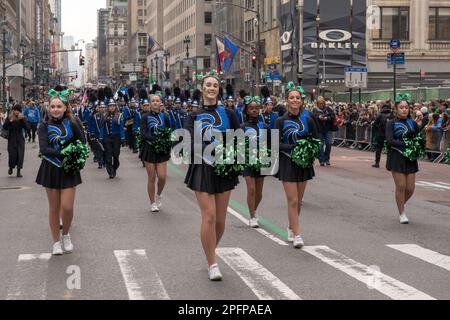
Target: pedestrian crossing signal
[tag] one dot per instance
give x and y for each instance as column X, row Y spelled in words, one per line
column 81, row 61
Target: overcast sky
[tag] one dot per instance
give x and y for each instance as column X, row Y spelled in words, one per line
column 79, row 18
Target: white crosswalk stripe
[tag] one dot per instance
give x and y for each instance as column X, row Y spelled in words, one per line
column 260, row 280
column 374, row 279
column 141, row 279
column 30, row 279
column 426, row 255
column 439, row 186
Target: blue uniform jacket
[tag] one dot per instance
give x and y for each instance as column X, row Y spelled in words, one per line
column 112, row 126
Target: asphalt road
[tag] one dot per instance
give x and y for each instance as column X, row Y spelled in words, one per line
column 355, row 245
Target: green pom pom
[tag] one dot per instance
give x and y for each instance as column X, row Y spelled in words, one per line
column 415, row 146
column 253, row 156
column 75, row 156
column 230, row 167
column 163, row 142
column 306, row 151
column 447, row 157
column 138, row 138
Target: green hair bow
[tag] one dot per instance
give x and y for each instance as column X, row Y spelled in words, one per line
column 250, row 99
column 403, row 97
column 212, row 74
column 62, row 95
column 157, row 93
column 291, row 87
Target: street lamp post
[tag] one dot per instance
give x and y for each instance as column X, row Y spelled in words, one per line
column 157, row 73
column 22, row 45
column 167, row 56
column 187, row 42
column 4, row 63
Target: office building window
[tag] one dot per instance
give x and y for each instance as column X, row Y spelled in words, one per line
column 439, row 26
column 394, row 24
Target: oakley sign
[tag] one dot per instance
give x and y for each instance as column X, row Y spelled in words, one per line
column 335, row 39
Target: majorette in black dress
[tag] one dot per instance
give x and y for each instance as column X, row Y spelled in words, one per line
column 292, row 129
column 255, row 127
column 201, row 177
column 151, row 122
column 396, row 161
column 52, row 135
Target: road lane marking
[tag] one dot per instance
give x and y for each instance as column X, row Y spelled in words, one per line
column 261, row 231
column 260, row 280
column 141, row 279
column 386, row 285
column 30, row 279
column 444, row 183
column 437, row 186
column 426, row 255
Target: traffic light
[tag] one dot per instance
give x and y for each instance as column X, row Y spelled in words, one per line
column 254, row 61
column 81, row 60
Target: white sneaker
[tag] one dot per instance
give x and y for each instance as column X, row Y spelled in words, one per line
column 404, row 219
column 214, row 273
column 67, row 244
column 290, row 235
column 155, row 208
column 254, row 223
column 57, row 249
column 298, row 242
column 159, row 202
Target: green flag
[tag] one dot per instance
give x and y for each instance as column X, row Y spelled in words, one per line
column 152, row 79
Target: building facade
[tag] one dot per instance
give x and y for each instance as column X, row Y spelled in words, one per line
column 116, row 39
column 102, row 31
column 137, row 34
column 423, row 26
column 188, row 29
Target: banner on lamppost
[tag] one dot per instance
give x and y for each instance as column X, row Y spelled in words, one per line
column 288, row 41
column 334, row 38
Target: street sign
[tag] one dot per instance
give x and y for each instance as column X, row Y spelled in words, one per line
column 272, row 67
column 273, row 75
column 356, row 77
column 396, row 58
column 272, row 60
column 188, row 62
column 395, row 44
column 133, row 77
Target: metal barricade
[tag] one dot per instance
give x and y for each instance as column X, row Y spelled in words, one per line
column 433, row 143
column 340, row 136
column 350, row 135
column 445, row 142
column 363, row 137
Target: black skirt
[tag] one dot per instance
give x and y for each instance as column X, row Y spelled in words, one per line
column 52, row 177
column 396, row 162
column 149, row 156
column 252, row 173
column 202, row 178
column 290, row 172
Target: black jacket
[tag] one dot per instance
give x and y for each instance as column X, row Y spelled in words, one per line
column 382, row 120
column 324, row 126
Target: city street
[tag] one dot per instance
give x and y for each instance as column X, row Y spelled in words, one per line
column 355, row 245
